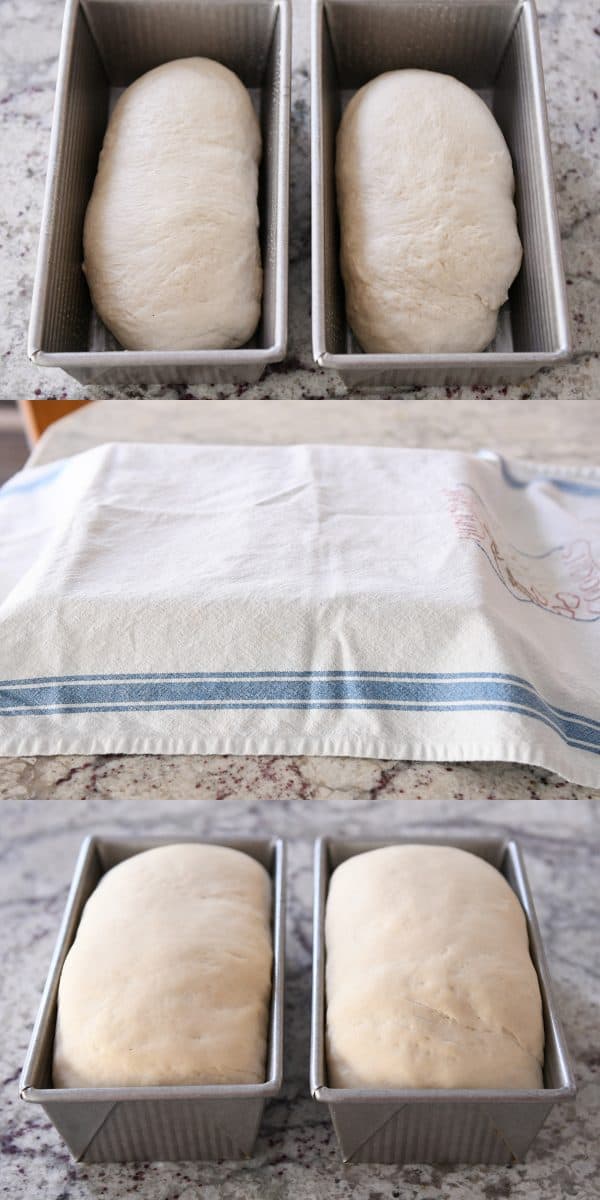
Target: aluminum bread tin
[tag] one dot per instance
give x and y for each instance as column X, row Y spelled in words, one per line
column 155, row 1123
column 493, row 46
column 106, row 44
column 434, row 1125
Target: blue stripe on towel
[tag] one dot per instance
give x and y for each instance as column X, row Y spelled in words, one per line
column 31, row 481
column 574, row 487
column 279, row 690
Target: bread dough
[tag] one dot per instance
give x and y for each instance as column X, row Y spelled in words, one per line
column 168, row 980
column 429, row 241
column 171, row 248
column 429, row 979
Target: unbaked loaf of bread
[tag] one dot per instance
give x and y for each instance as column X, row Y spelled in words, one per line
column 429, row 242
column 429, row 979
column 171, row 248
column 168, row 980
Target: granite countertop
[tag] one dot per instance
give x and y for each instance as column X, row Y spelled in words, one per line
column 296, row 1154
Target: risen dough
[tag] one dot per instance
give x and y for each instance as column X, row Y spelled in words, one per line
column 170, row 239
column 429, row 979
column 429, row 241
column 168, row 980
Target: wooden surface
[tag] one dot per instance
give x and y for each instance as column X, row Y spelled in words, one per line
column 39, row 414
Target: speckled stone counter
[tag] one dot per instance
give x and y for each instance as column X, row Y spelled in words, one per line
column 296, row 1154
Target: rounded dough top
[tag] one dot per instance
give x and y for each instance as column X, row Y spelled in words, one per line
column 429, row 978
column 429, row 240
column 168, row 980
column 171, row 248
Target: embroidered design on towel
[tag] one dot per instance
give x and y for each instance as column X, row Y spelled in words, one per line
column 564, row 580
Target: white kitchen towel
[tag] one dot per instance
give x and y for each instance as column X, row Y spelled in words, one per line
column 302, row 600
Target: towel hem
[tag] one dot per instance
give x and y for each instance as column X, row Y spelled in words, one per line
column 405, row 751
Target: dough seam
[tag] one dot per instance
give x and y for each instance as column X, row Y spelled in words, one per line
column 502, row 1031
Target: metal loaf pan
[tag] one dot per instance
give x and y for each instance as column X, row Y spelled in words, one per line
column 493, row 46
column 433, row 1125
column 106, row 44
column 155, row 1123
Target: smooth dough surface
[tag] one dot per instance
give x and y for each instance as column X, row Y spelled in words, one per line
column 429, row 240
column 429, row 979
column 171, row 248
column 168, row 980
